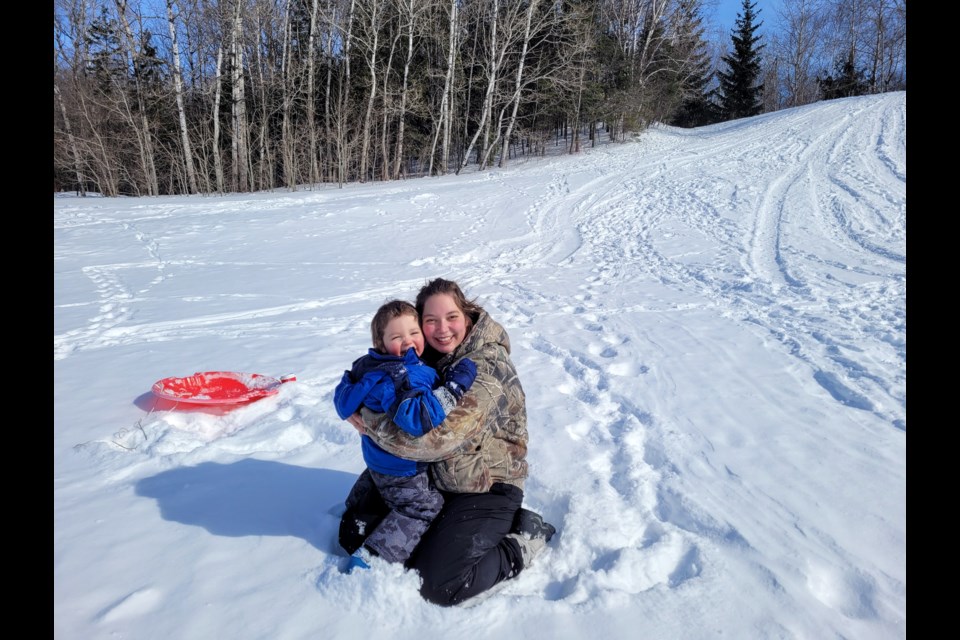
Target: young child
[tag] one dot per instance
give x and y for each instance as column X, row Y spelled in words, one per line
column 392, row 379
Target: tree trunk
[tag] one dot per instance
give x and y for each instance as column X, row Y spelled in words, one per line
column 445, row 119
column 70, row 140
column 178, row 88
column 328, row 130
column 519, row 85
column 287, row 139
column 575, row 138
column 385, row 126
column 492, row 72
column 371, row 60
column 239, row 152
column 344, row 101
column 311, row 99
column 144, row 135
column 217, row 93
column 264, row 168
column 397, row 163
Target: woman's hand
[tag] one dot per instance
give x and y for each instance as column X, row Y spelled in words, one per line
column 357, row 422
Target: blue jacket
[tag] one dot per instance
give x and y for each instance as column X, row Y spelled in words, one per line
column 401, row 386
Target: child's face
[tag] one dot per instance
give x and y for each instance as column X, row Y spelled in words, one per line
column 402, row 333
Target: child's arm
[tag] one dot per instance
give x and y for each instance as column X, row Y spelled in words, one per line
column 417, row 412
column 458, row 379
column 462, row 427
column 349, row 395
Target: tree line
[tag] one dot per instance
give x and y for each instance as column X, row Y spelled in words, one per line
column 199, row 96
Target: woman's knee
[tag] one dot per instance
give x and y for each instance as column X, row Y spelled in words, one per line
column 442, row 595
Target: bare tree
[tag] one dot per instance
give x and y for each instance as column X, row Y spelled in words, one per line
column 493, row 61
column 547, row 27
column 371, row 15
column 96, row 95
column 181, row 112
column 847, row 18
column 387, row 101
column 802, row 31
column 410, row 15
column 518, row 85
column 261, row 89
column 288, row 77
column 234, row 101
column 331, row 37
column 583, row 47
column 75, row 152
column 444, row 120
column 219, row 173
column 638, row 29
column 886, row 50
column 343, row 147
column 239, row 155
column 143, row 132
column 72, row 144
column 311, row 101
column 199, row 26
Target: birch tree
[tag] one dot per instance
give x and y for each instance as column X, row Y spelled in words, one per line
column 371, row 13
column 409, row 13
column 518, row 86
column 886, row 48
column 219, row 174
column 386, row 100
column 311, row 102
column 287, row 75
column 329, row 19
column 584, row 32
column 238, row 145
column 144, row 135
column 798, row 47
column 548, row 51
column 260, row 118
column 493, row 60
column 444, row 120
column 72, row 143
column 343, row 148
column 181, row 112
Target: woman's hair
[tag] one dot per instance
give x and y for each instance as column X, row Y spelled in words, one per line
column 471, row 310
column 383, row 316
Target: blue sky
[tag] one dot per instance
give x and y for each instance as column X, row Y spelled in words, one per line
column 727, row 10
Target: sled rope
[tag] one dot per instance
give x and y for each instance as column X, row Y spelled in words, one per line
column 139, row 425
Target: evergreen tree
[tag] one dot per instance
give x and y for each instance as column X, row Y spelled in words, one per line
column 694, row 74
column 739, row 92
column 106, row 64
column 847, row 80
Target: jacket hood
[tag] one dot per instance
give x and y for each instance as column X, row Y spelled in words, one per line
column 364, row 364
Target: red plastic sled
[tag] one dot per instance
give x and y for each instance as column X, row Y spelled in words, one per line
column 219, row 387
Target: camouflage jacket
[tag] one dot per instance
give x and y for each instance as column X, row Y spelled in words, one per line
column 484, row 439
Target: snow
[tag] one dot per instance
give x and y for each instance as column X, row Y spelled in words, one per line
column 709, row 324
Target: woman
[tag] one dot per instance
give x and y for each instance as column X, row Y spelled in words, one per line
column 482, row 536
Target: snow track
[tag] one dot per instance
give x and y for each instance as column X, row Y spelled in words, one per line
column 670, row 301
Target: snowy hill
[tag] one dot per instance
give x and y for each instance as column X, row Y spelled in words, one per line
column 709, row 324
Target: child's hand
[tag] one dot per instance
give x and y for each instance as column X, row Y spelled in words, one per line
column 357, row 422
column 459, row 377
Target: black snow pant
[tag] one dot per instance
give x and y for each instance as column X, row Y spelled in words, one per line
column 413, row 503
column 463, row 553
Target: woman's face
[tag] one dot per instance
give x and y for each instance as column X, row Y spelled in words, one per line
column 444, row 325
